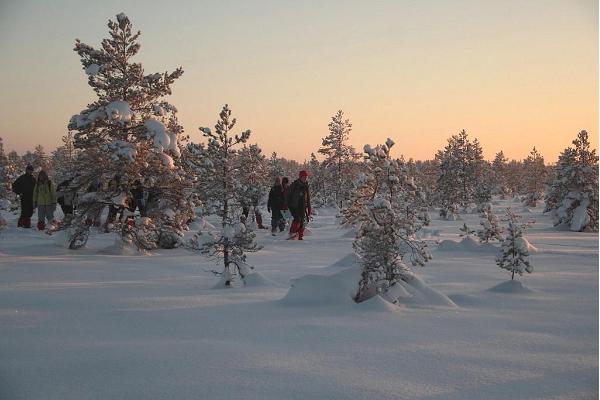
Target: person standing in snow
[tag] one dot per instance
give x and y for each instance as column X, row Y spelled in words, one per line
column 24, row 186
column 66, row 197
column 275, row 205
column 299, row 205
column 44, row 198
column 285, row 212
column 137, row 198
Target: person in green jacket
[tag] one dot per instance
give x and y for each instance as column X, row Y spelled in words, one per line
column 44, row 198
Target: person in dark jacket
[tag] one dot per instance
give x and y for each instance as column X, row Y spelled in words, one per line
column 137, row 194
column 299, row 205
column 23, row 186
column 65, row 197
column 275, row 205
column 285, row 212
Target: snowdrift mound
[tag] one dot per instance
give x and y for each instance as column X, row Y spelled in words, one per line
column 349, row 260
column 377, row 304
column 324, row 290
column 340, row 288
column 467, row 244
column 530, row 248
column 512, row 286
column 256, row 279
column 120, row 248
column 416, row 293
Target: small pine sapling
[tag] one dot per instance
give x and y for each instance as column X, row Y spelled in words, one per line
column 466, row 231
column 217, row 165
column 514, row 253
column 491, row 228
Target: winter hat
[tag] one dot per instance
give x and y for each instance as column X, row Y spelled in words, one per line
column 29, row 168
column 303, row 173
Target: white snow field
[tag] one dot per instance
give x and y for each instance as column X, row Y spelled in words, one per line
column 91, row 324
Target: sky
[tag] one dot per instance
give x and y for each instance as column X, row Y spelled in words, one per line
column 513, row 74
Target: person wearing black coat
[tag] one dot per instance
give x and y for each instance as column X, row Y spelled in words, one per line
column 275, row 204
column 23, row 186
column 299, row 205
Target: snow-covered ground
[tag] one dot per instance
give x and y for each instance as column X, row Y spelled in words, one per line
column 91, row 324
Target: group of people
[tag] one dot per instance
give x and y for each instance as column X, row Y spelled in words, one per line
column 36, row 192
column 295, row 199
column 39, row 192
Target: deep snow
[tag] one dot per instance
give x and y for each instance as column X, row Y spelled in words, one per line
column 89, row 324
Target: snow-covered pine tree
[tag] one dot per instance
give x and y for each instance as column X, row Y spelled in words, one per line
column 427, row 173
column 460, row 172
column 319, row 195
column 63, row 159
column 572, row 196
column 491, row 228
column 41, row 160
column 130, row 131
column 252, row 171
column 217, row 163
column 275, row 167
column 340, row 158
column 514, row 177
column 386, row 236
column 498, row 175
column 514, row 253
column 534, row 178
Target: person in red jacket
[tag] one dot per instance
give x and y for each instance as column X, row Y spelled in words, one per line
column 299, row 205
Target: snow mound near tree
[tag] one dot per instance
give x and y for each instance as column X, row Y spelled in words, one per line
column 512, row 286
column 256, row 279
column 349, row 260
column 377, row 304
column 120, row 248
column 338, row 290
column 524, row 243
column 467, row 244
column 324, row 290
column 414, row 292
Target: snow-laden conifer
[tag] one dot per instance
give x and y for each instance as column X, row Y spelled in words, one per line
column 461, row 166
column 252, row 172
column 491, row 228
column 339, row 158
column 514, row 253
column 63, row 159
column 129, row 130
column 386, row 238
column 217, row 164
column 498, row 175
column 572, row 196
column 534, row 178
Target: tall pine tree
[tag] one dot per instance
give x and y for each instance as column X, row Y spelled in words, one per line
column 129, row 130
column 217, row 164
column 339, row 158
